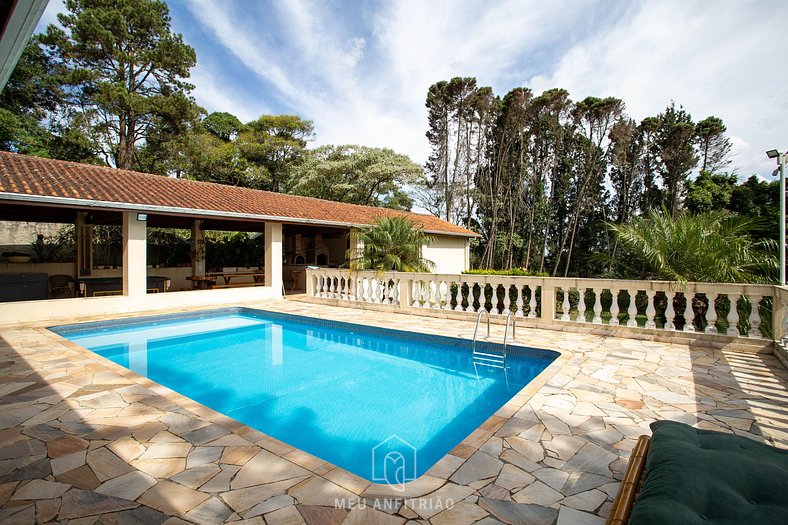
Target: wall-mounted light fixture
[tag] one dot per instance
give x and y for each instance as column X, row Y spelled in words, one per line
column 142, row 217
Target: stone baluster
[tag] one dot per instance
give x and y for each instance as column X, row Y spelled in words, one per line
column 733, row 315
column 632, row 309
column 711, row 313
column 650, row 310
column 689, row 313
column 471, row 287
column 532, row 302
column 361, row 282
column 436, row 294
column 395, row 291
column 597, row 306
column 581, row 305
column 614, row 308
column 755, row 316
column 369, row 287
column 358, row 292
column 520, row 301
column 493, row 298
column 458, row 307
column 566, row 306
column 507, row 300
column 452, row 290
column 670, row 312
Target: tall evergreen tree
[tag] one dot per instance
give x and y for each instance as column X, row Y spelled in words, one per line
column 714, row 147
column 675, row 146
column 127, row 68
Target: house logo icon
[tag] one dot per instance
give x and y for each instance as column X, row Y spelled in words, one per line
column 394, row 462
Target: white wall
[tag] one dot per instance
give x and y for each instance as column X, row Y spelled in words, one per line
column 449, row 253
column 82, row 307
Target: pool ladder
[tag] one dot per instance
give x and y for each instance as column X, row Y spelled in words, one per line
column 489, row 358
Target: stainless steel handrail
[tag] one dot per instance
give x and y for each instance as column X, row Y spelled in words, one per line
column 506, row 331
column 476, row 330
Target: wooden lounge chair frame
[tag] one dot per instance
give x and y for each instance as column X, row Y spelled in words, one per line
column 631, row 484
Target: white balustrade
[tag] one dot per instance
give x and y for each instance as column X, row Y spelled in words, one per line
column 462, row 295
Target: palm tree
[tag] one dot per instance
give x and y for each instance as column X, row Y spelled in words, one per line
column 392, row 244
column 710, row 247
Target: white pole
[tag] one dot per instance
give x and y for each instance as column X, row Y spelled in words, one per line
column 782, row 218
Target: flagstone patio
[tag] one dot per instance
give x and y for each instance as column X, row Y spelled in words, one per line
column 83, row 440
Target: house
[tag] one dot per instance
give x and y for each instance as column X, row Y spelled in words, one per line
column 298, row 232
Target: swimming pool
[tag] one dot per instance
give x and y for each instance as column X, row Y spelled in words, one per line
column 383, row 404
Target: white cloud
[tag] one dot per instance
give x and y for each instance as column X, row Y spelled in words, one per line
column 373, row 92
column 713, row 58
column 50, row 15
column 362, row 73
column 214, row 93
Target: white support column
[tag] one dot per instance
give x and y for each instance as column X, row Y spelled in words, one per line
column 467, row 254
column 135, row 276
column 273, row 256
column 198, row 249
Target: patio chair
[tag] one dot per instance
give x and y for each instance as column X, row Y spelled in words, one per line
column 688, row 475
column 62, row 286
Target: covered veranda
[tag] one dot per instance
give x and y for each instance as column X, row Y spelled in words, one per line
column 297, row 232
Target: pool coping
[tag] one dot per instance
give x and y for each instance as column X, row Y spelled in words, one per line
column 443, row 469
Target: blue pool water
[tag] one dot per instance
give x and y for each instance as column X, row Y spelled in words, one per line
column 383, row 404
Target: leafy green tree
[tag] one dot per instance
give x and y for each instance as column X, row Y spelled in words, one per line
column 392, row 244
column 34, row 116
column 126, row 68
column 356, row 174
column 710, row 192
column 709, row 247
column 223, row 125
column 274, row 144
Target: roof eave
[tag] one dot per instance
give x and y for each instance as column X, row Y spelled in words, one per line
column 191, row 212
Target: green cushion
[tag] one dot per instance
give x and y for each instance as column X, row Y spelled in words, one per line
column 700, row 477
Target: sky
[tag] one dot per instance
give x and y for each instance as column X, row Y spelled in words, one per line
column 360, row 70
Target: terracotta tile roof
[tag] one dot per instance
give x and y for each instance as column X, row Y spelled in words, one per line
column 46, row 180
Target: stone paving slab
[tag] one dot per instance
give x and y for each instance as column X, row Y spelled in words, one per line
column 83, row 440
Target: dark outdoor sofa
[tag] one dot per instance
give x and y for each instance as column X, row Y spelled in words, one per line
column 683, row 475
